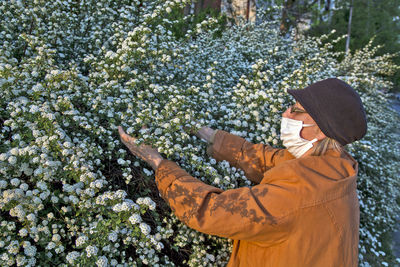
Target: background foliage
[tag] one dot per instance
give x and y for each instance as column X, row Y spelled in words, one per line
column 71, row 72
column 370, row 19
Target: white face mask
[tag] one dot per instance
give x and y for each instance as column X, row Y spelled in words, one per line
column 290, row 136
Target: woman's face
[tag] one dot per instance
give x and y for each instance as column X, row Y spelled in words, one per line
column 297, row 112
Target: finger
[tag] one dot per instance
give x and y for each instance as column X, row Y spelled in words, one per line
column 121, row 131
column 124, row 136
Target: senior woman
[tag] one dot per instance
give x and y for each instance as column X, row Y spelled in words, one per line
column 303, row 210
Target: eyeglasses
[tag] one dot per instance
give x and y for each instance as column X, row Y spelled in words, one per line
column 294, row 109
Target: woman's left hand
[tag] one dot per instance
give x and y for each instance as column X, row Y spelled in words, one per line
column 145, row 152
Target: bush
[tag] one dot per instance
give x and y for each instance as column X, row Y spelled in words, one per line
column 71, row 194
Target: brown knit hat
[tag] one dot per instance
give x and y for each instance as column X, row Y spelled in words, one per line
column 336, row 108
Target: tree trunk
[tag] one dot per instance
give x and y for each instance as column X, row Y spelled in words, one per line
column 248, row 10
column 349, row 27
column 214, row 4
column 197, row 6
column 284, row 27
column 186, row 10
column 331, row 7
column 368, row 15
column 240, row 10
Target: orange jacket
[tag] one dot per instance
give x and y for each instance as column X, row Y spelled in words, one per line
column 302, row 212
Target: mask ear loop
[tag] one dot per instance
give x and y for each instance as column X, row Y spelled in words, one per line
column 313, row 140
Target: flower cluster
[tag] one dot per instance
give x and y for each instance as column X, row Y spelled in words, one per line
column 71, row 72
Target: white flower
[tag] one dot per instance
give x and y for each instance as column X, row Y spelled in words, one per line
column 59, row 249
column 120, row 194
column 30, row 251
column 54, row 199
column 36, row 200
column 135, row 218
column 17, row 211
column 125, row 206
column 168, row 9
column 210, row 257
column 5, row 257
column 117, row 207
column 102, row 261
column 16, row 137
column 23, row 186
column 74, row 199
column 13, row 247
column 23, row 232
column 50, row 245
column 37, row 88
column 149, row 202
column 3, row 184
column 145, row 228
column 34, row 109
column 21, row 260
column 147, row 172
column 14, row 151
column 72, row 256
column 56, row 238
column 41, row 185
column 81, row 240
column 67, row 144
column 159, row 246
column 91, row 251
column 12, row 160
column 158, row 131
column 113, row 236
column 3, row 157
column 44, row 195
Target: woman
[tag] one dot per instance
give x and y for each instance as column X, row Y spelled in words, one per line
column 303, row 210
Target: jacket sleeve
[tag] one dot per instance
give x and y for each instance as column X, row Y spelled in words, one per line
column 256, row 214
column 253, row 159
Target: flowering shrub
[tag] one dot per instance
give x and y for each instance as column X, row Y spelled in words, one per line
column 70, row 73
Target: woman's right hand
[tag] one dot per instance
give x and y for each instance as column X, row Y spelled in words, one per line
column 145, row 152
column 205, row 133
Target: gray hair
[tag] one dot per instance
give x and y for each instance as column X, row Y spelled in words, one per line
column 325, row 144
